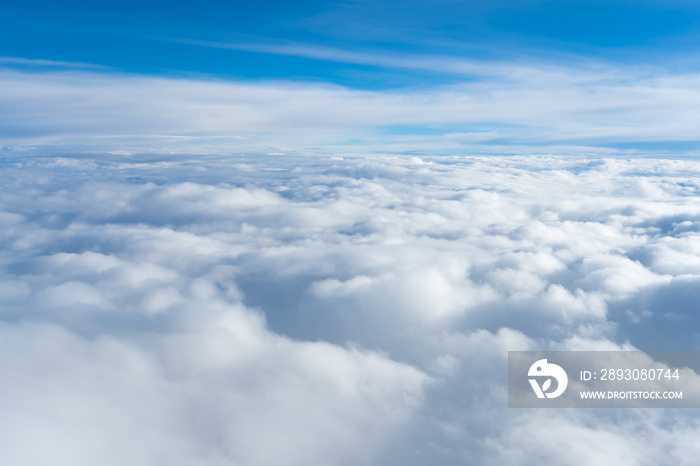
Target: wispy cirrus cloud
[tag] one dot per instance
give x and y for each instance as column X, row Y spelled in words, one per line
column 33, row 62
column 433, row 63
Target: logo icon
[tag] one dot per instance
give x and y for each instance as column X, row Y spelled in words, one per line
column 543, row 369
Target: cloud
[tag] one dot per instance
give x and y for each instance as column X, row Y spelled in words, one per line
column 522, row 107
column 433, row 63
column 4, row 60
column 332, row 310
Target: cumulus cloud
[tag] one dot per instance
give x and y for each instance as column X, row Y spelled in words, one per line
column 333, row 310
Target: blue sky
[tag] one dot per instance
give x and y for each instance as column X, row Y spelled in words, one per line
column 157, row 37
column 619, row 75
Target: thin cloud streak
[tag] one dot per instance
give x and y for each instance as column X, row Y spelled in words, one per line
column 518, row 66
column 443, row 64
column 4, row 60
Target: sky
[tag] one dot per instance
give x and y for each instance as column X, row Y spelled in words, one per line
column 308, row 233
column 443, row 76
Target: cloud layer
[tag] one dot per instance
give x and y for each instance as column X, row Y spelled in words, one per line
column 493, row 107
column 333, row 310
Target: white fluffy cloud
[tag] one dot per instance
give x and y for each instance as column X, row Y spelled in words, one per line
column 333, row 310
